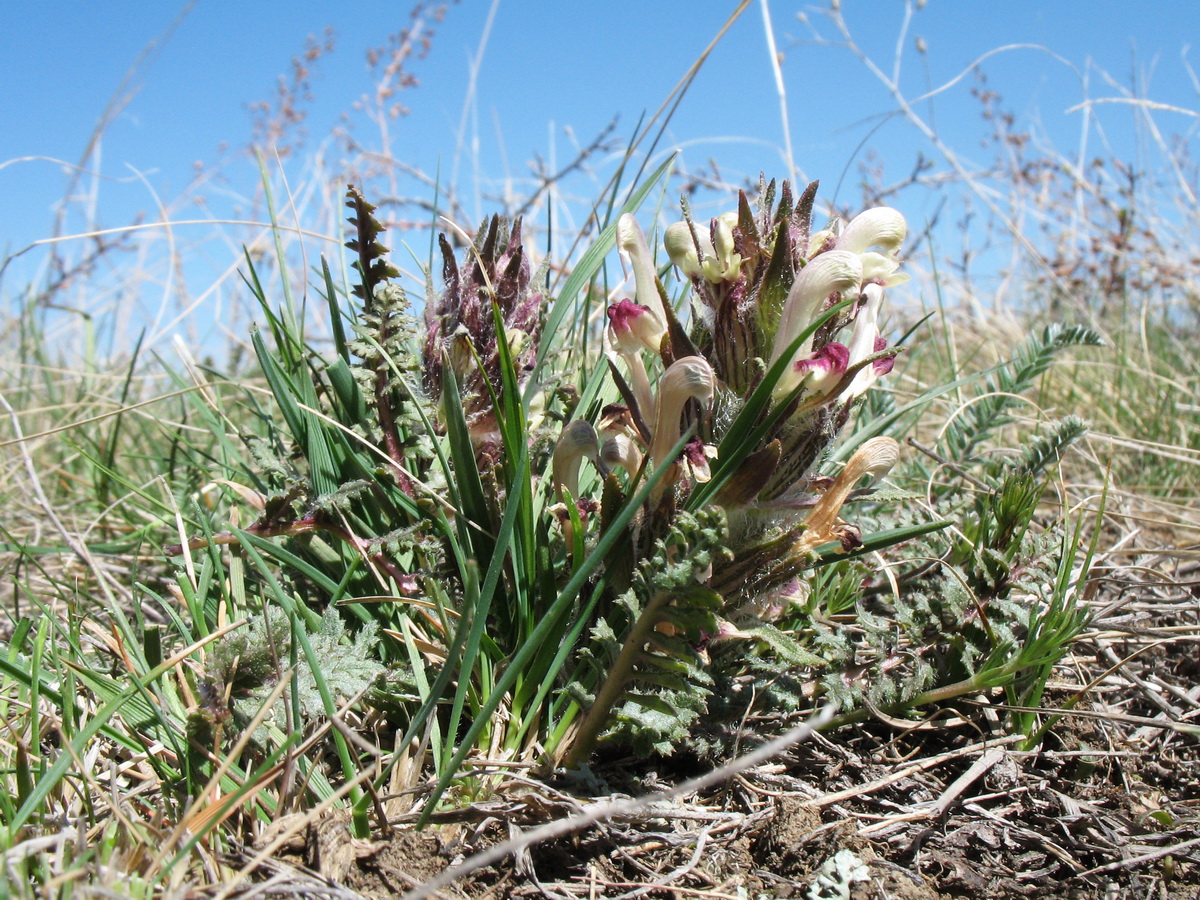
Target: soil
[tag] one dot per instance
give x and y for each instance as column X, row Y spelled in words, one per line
column 950, row 806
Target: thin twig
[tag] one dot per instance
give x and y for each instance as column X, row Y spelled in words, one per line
column 608, row 810
column 78, row 547
column 1137, row 860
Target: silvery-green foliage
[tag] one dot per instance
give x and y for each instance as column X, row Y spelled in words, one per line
column 671, row 615
column 347, row 663
column 246, row 665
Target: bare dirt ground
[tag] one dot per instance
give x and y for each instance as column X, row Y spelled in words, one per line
column 943, row 806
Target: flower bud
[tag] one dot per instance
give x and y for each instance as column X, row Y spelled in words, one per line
column 682, row 249
column 724, row 264
column 821, row 240
column 720, row 263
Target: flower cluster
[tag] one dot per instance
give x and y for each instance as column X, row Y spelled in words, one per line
column 771, row 300
column 784, row 322
column 744, row 263
column 461, row 328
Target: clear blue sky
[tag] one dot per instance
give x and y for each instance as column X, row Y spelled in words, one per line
column 548, row 68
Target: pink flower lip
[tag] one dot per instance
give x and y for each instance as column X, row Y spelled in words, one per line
column 694, row 450
column 695, row 457
column 634, row 327
column 882, row 366
column 830, row 360
column 623, row 313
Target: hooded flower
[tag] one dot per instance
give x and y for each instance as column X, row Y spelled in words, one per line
column 834, row 272
column 760, row 279
column 690, row 378
column 883, row 228
column 874, row 459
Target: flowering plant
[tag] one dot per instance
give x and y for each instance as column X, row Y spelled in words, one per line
column 747, row 407
column 652, row 543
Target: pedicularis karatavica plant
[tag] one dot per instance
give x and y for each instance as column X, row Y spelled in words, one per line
column 663, row 541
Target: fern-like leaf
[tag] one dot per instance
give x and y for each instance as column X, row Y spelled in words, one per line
column 1003, row 387
column 1046, row 449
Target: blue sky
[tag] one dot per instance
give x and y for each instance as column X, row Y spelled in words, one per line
column 549, row 70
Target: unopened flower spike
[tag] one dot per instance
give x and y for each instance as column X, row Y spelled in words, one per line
column 461, row 326
column 578, row 442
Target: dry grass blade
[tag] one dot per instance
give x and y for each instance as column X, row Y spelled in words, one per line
column 622, row 809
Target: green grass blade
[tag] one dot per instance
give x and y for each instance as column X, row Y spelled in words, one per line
column 583, row 273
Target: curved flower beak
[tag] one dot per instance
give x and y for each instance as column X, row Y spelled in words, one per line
column 577, row 443
column 687, row 378
column 881, row 227
column 633, row 244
